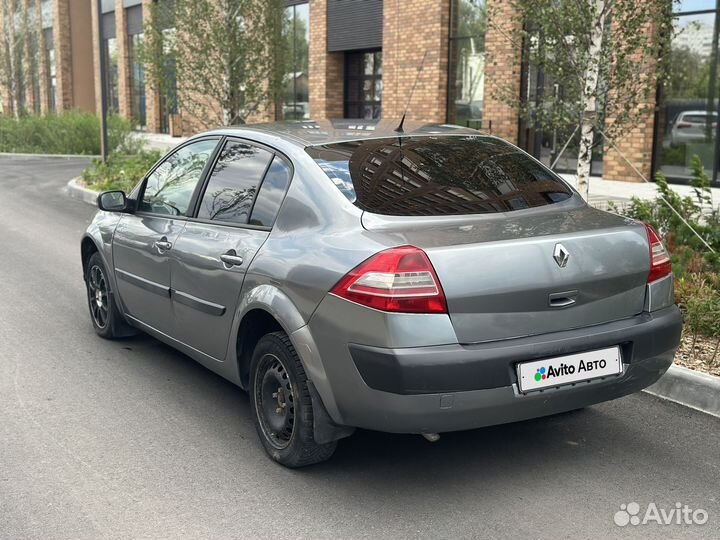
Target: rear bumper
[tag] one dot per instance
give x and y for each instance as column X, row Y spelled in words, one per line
column 458, row 368
column 453, row 387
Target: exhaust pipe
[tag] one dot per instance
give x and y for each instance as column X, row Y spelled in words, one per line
column 431, row 437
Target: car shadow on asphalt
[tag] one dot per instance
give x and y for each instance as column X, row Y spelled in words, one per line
column 565, row 444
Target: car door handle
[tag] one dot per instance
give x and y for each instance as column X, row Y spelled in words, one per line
column 231, row 258
column 162, row 245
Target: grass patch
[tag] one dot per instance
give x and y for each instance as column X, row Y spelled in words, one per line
column 122, row 170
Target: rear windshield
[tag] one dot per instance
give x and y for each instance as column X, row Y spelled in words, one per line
column 438, row 176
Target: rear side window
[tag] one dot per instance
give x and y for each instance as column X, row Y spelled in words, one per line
column 234, row 182
column 437, row 176
column 272, row 193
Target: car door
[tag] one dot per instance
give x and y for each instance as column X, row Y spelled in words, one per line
column 144, row 239
column 234, row 215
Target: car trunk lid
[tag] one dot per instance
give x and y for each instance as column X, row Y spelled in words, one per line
column 505, row 276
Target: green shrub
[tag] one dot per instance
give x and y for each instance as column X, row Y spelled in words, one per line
column 699, row 298
column 674, row 155
column 67, row 133
column 121, row 171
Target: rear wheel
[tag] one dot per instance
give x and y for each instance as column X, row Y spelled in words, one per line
column 104, row 314
column 282, row 408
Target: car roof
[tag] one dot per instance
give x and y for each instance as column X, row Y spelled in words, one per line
column 319, row 132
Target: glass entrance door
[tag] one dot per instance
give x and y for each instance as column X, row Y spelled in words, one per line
column 687, row 118
column 363, row 84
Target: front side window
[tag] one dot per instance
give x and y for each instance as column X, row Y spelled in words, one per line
column 169, row 188
column 234, row 182
column 438, row 176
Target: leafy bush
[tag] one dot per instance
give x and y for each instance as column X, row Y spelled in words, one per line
column 121, row 171
column 696, row 268
column 699, row 298
column 67, row 133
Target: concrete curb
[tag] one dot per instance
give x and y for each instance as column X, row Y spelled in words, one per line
column 54, row 156
column 77, row 191
column 693, row 389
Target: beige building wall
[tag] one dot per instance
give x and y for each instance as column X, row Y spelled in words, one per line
column 326, row 70
column 124, row 79
column 63, row 54
column 411, row 31
column 42, row 62
column 82, row 64
column 502, row 70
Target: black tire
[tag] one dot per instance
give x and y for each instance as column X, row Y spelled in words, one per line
column 281, row 404
column 106, row 319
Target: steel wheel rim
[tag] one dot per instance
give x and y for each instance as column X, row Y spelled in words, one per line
column 98, row 296
column 275, row 401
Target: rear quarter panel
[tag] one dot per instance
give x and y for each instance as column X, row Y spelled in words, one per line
column 317, row 238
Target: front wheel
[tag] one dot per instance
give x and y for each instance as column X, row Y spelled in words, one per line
column 282, row 408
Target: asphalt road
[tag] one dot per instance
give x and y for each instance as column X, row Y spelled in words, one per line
column 131, row 439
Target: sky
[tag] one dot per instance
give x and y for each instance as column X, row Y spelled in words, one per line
column 693, row 5
column 685, row 6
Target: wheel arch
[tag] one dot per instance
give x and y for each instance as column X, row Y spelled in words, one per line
column 90, row 245
column 255, row 323
column 260, row 319
column 264, row 307
column 268, row 308
column 87, row 248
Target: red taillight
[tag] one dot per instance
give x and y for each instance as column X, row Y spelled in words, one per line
column 660, row 264
column 400, row 279
column 684, row 125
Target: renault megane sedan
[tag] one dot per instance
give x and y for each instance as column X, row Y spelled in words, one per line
column 349, row 276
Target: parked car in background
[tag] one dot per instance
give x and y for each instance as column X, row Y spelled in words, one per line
column 692, row 127
column 422, row 281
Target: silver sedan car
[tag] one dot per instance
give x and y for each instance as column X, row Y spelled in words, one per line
column 348, row 276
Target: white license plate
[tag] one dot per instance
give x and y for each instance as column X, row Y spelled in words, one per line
column 569, row 369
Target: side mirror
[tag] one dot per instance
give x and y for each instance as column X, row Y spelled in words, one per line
column 112, row 201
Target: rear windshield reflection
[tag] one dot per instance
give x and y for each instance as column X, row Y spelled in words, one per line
column 434, row 176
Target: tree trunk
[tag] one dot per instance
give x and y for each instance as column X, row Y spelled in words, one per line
column 8, row 68
column 589, row 99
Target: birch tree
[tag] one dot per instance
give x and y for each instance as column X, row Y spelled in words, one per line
column 602, row 61
column 223, row 54
column 11, row 51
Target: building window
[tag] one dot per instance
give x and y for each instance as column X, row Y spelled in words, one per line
column 137, row 82
column 296, row 32
column 110, row 56
column 135, row 40
column 111, row 73
column 466, row 81
column 363, row 84
column 552, row 142
column 687, row 118
column 51, row 70
column 35, row 70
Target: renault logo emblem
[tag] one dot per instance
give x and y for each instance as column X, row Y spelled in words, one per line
column 561, row 255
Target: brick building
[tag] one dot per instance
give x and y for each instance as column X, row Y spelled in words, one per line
column 360, row 59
